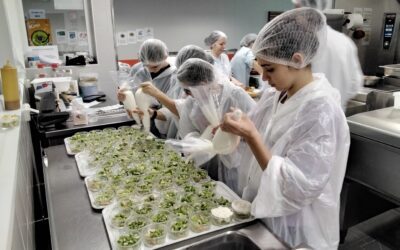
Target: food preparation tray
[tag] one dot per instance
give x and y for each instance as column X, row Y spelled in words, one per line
column 221, row 189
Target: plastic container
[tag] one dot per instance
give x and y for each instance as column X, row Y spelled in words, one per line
column 203, row 205
column 128, row 240
column 182, row 210
column 200, row 222
column 178, row 228
column 137, row 223
column 161, row 216
column 241, row 209
column 154, row 234
column 144, row 209
column 221, row 215
column 104, row 198
column 119, row 217
column 96, row 183
column 8, row 121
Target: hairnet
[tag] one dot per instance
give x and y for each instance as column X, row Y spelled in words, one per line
column 316, row 4
column 192, row 51
column 248, row 39
column 195, row 72
column 301, row 30
column 153, row 51
column 213, row 37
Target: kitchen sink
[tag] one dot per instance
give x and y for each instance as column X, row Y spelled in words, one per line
column 232, row 240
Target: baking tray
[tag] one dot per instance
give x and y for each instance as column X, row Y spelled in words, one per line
column 221, row 189
column 67, row 146
column 82, row 163
column 92, row 197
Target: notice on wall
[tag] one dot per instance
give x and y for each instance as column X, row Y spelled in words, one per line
column 367, row 15
column 140, row 35
column 37, row 14
column 72, row 37
column 148, row 33
column 132, row 37
column 61, row 36
column 82, row 38
column 122, row 38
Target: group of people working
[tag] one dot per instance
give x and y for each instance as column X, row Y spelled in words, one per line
column 291, row 160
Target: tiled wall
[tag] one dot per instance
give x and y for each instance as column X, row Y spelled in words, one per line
column 23, row 236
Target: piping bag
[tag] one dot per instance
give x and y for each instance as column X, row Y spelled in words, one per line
column 202, row 148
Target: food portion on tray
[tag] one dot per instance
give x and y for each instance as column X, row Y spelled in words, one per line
column 151, row 196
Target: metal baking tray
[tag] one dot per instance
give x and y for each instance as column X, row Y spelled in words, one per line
column 221, row 189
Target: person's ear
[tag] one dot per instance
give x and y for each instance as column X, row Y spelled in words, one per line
column 298, row 58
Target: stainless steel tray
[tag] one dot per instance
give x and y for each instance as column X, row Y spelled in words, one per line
column 391, row 70
column 82, row 163
column 221, row 189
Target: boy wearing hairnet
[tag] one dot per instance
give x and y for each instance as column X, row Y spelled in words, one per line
column 243, row 60
column 176, row 92
column 153, row 54
column 339, row 61
column 293, row 165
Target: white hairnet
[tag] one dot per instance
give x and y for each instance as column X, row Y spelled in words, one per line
column 153, row 51
column 195, row 72
column 192, row 51
column 301, row 30
column 213, row 37
column 248, row 40
column 316, row 4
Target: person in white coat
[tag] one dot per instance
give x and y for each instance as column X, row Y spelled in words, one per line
column 154, row 68
column 198, row 76
column 216, row 41
column 294, row 163
column 243, row 60
column 339, row 61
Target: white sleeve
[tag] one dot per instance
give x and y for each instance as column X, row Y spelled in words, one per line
column 249, row 59
column 185, row 124
column 296, row 179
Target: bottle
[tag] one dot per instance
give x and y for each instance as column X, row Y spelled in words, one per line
column 41, row 71
column 54, row 70
column 9, row 79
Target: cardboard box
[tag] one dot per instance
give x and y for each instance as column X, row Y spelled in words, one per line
column 39, row 32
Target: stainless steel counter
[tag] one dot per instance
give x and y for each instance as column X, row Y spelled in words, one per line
column 75, row 225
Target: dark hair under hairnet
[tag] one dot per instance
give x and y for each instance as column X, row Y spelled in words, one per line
column 192, row 51
column 301, row 30
column 153, row 51
column 196, row 72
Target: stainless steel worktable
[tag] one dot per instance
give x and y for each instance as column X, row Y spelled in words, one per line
column 75, row 225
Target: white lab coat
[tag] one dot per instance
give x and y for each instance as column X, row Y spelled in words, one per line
column 166, row 82
column 241, row 64
column 339, row 62
column 192, row 119
column 298, row 194
column 222, row 64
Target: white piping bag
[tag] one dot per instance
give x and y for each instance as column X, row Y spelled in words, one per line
column 143, row 103
column 223, row 142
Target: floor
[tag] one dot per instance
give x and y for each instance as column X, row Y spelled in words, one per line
column 381, row 232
